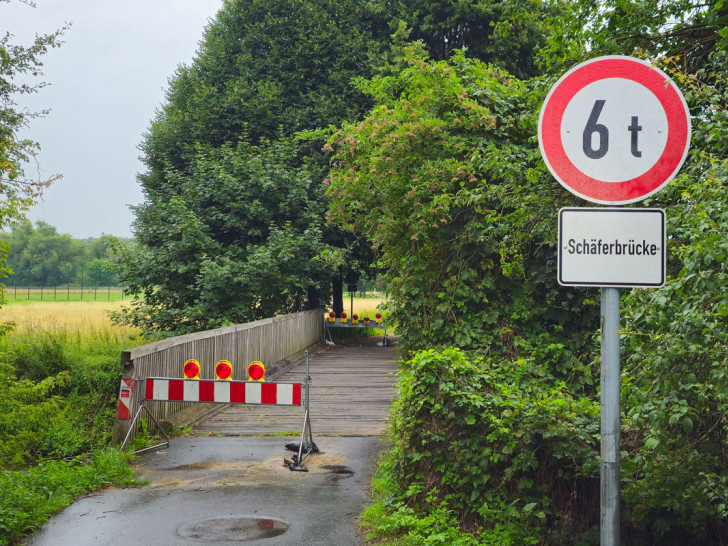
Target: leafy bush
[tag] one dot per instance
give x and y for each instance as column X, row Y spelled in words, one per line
column 505, row 447
column 38, row 356
column 25, row 410
column 445, row 178
column 62, row 408
column 675, row 393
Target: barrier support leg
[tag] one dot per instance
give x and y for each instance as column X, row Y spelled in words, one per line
column 298, row 466
column 133, row 424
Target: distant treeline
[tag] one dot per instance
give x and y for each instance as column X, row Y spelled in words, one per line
column 40, row 256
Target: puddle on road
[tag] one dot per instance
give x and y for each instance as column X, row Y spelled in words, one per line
column 189, row 467
column 336, row 472
column 232, row 528
column 338, row 469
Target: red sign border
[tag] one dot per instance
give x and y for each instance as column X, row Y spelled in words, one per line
column 628, row 191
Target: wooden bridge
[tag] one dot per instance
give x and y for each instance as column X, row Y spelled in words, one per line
column 351, row 388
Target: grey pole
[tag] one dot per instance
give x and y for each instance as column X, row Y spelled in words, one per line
column 306, row 382
column 610, row 418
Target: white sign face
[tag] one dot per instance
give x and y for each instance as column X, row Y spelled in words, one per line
column 637, row 138
column 611, row 247
column 614, row 130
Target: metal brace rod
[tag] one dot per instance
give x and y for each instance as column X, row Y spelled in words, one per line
column 306, row 423
column 133, row 424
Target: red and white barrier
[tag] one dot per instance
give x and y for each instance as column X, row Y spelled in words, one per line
column 222, row 392
column 125, row 393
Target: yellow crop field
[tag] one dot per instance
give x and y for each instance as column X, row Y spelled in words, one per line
column 93, row 316
column 71, row 316
column 362, row 306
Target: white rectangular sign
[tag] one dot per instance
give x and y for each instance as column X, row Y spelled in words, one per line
column 616, row 247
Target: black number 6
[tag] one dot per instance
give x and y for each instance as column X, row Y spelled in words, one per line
column 593, row 127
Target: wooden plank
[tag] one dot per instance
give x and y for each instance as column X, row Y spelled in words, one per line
column 352, row 388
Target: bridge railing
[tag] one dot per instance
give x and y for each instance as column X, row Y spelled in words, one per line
column 274, row 341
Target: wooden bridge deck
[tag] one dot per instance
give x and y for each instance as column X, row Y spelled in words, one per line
column 352, row 387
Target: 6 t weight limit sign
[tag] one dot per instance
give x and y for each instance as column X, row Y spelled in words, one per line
column 614, row 130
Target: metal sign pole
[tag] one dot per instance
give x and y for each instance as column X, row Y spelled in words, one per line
column 610, row 418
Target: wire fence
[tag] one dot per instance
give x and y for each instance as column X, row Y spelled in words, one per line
column 62, row 293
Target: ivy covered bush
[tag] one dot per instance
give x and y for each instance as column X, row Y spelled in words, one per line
column 502, row 445
column 675, row 344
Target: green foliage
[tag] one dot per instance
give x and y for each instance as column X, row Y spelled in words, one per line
column 503, row 33
column 676, row 338
column 58, row 397
column 40, row 256
column 58, row 401
column 25, row 409
column 503, row 446
column 241, row 240
column 18, row 62
column 30, row 496
column 690, row 30
column 233, row 227
column 443, row 176
column 38, row 357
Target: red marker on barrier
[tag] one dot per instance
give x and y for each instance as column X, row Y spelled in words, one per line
column 256, row 371
column 191, row 369
column 224, row 370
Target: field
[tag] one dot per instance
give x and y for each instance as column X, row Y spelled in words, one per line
column 64, row 316
column 93, row 316
column 362, row 306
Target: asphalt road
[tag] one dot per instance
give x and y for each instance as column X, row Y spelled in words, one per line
column 228, row 491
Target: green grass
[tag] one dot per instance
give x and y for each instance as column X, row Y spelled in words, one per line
column 29, row 497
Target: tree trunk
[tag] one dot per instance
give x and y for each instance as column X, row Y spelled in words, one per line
column 337, row 285
column 313, row 297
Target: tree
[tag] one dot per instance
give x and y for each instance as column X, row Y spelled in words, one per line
column 687, row 30
column 444, row 178
column 243, row 240
column 495, row 417
column 676, row 348
column 451, row 188
column 507, row 34
column 17, row 192
column 233, row 223
column 41, row 256
column 265, row 71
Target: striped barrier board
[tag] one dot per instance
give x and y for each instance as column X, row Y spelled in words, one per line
column 222, row 392
column 125, row 393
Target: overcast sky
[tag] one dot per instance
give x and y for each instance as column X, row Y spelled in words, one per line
column 106, row 80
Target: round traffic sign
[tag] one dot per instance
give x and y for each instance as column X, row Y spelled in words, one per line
column 614, row 130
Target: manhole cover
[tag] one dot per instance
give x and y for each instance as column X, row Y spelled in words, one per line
column 233, row 528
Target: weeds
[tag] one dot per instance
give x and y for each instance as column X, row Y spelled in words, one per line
column 58, row 402
column 29, row 497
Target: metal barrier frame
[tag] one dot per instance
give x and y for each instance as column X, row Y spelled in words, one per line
column 337, row 323
column 298, row 466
